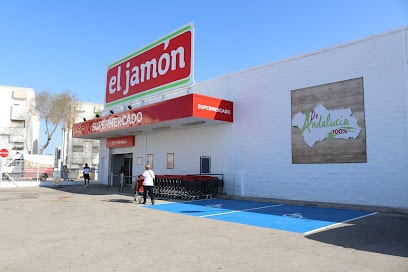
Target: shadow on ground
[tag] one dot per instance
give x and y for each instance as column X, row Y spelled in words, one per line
column 380, row 233
column 96, row 189
column 120, row 200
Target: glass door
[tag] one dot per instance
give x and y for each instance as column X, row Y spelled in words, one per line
column 127, row 163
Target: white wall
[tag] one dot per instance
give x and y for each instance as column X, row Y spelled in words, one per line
column 187, row 145
column 254, row 152
column 262, row 126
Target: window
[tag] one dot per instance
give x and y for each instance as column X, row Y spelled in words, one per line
column 78, row 148
column 205, row 165
column 18, row 113
column 20, row 94
column 17, row 124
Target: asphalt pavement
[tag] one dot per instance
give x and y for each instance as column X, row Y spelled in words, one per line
column 72, row 228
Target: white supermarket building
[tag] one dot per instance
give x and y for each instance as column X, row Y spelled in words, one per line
column 327, row 127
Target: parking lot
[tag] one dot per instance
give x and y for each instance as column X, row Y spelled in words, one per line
column 72, row 228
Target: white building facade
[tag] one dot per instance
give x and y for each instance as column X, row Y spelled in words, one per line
column 329, row 127
column 75, row 152
column 19, row 129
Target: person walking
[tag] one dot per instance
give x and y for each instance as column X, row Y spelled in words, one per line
column 148, row 184
column 86, row 172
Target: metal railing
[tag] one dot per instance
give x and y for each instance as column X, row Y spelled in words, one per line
column 122, row 179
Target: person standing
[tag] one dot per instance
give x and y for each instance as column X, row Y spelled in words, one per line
column 86, row 172
column 148, row 184
column 65, row 173
column 121, row 177
column 122, row 170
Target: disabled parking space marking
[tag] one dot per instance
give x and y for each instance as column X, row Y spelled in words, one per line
column 244, row 210
column 294, row 215
column 187, row 208
column 300, row 219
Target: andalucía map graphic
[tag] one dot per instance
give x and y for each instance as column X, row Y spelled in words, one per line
column 321, row 123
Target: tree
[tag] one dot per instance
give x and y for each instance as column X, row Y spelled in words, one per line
column 55, row 110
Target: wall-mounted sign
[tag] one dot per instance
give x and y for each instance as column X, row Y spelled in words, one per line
column 149, row 160
column 320, row 123
column 191, row 105
column 122, row 141
column 328, row 124
column 160, row 66
column 170, row 160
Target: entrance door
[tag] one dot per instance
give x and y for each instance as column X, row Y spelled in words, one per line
column 127, row 163
column 119, row 161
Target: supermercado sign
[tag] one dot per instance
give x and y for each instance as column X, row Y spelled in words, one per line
column 126, row 120
column 162, row 65
column 191, row 105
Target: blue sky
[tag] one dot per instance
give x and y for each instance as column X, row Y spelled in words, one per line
column 68, row 44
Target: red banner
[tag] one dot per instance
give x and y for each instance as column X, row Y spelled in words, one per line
column 123, row 141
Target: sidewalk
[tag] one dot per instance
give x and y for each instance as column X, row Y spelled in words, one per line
column 101, row 229
column 36, row 183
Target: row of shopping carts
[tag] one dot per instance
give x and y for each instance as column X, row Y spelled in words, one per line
column 187, row 186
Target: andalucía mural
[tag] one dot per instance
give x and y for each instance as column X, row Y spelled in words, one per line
column 328, row 123
column 320, row 123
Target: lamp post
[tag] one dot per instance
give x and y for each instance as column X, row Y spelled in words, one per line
column 62, row 155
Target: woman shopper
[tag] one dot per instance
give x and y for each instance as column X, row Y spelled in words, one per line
column 85, row 173
column 148, row 184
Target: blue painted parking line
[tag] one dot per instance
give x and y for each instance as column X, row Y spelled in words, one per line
column 279, row 216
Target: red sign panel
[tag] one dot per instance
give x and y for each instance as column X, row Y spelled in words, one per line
column 212, row 108
column 4, row 153
column 166, row 63
column 191, row 105
column 120, row 141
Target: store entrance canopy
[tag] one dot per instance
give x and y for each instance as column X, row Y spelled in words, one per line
column 182, row 112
